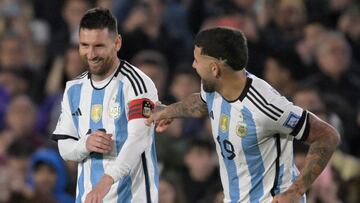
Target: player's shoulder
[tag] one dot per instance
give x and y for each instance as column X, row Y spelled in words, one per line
column 260, row 87
column 135, row 79
column 77, row 80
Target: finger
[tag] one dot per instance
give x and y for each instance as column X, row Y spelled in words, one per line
column 100, row 150
column 149, row 121
column 105, row 139
column 102, row 146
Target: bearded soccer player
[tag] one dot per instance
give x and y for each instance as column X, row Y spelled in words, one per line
column 102, row 121
column 253, row 126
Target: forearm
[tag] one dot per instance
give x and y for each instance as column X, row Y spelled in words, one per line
column 318, row 156
column 192, row 106
column 73, row 150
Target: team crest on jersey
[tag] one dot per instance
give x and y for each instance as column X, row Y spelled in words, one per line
column 224, row 123
column 114, row 110
column 96, row 112
column 241, row 129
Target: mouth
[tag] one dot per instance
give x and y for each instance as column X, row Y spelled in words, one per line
column 94, row 62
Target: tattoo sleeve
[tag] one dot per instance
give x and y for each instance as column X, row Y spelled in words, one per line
column 323, row 140
column 192, row 106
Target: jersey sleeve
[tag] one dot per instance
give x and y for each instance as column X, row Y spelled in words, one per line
column 65, row 127
column 292, row 119
column 139, row 107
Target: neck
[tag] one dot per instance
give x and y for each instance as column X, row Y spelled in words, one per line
column 232, row 84
column 114, row 65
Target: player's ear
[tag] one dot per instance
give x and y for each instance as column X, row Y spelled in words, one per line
column 118, row 42
column 216, row 69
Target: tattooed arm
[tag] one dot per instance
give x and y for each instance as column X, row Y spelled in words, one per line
column 323, row 140
column 192, row 106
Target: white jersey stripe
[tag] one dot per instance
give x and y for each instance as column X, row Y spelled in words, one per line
column 250, row 146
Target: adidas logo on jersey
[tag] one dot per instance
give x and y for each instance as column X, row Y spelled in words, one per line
column 77, row 112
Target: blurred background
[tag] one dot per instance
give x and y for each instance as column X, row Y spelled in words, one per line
column 308, row 50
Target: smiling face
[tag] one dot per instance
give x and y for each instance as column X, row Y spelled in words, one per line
column 98, row 49
column 204, row 66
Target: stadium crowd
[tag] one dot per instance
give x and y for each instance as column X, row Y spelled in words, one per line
column 309, row 51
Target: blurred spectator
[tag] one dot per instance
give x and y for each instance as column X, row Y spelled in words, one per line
column 281, row 74
column 49, row 176
column 170, row 192
column 18, row 163
column 349, row 24
column 21, row 119
column 154, row 65
column 13, row 58
column 306, row 47
column 72, row 11
column 144, row 29
column 201, row 178
column 285, row 28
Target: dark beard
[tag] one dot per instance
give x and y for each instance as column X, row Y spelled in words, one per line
column 208, row 87
column 103, row 70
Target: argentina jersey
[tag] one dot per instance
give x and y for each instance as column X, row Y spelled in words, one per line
column 253, row 137
column 87, row 107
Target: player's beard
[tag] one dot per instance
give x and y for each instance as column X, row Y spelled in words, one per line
column 208, row 86
column 101, row 67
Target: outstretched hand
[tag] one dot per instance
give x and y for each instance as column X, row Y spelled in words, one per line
column 159, row 117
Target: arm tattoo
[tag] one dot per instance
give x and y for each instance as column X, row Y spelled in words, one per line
column 193, row 106
column 323, row 140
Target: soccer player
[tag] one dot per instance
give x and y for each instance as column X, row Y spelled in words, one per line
column 252, row 125
column 102, row 124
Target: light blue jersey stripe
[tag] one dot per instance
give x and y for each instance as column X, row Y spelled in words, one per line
column 280, row 177
column 121, row 132
column 80, row 184
column 210, row 100
column 124, row 190
column 224, row 145
column 74, row 101
column 253, row 157
column 154, row 160
column 96, row 166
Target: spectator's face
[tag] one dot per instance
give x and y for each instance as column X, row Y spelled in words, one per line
column 11, row 54
column 166, row 192
column 45, row 178
column 98, row 49
column 290, row 14
column 21, row 116
column 333, row 56
column 74, row 65
column 199, row 160
column 73, row 12
column 202, row 66
column 275, row 75
column 183, row 85
column 156, row 75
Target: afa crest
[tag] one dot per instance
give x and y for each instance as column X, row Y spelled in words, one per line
column 96, row 112
column 241, row 130
column 114, row 110
column 224, row 123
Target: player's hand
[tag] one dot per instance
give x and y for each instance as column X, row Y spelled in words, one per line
column 97, row 194
column 287, row 197
column 100, row 142
column 159, row 118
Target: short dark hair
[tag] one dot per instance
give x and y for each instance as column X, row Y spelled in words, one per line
column 226, row 44
column 99, row 18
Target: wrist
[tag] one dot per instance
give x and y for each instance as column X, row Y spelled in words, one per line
column 108, row 180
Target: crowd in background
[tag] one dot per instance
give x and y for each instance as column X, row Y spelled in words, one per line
column 308, row 50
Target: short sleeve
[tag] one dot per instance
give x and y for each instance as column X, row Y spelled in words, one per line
column 293, row 120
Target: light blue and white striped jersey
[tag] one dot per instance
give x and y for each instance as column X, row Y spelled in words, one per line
column 253, row 137
column 86, row 107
